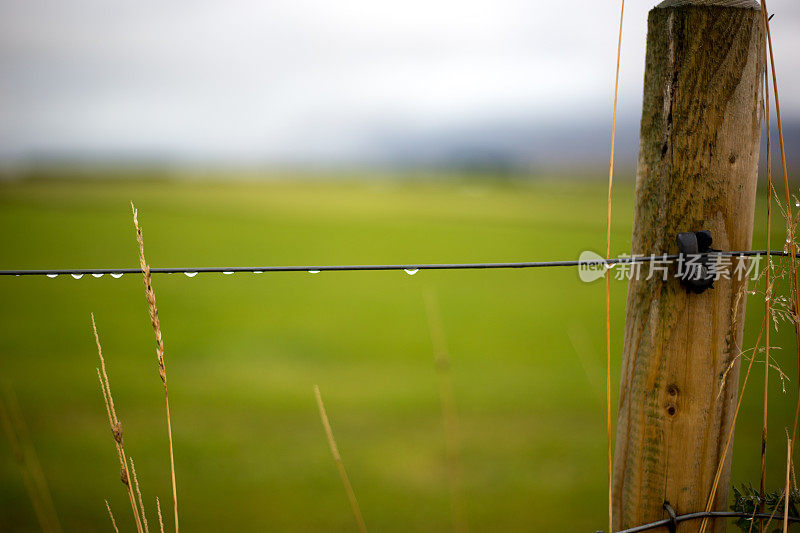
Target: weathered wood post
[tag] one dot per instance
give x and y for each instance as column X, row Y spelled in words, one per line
column 698, row 159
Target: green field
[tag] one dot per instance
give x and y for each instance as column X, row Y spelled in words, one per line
column 244, row 351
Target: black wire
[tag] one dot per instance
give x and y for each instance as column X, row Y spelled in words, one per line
column 341, row 268
column 703, row 514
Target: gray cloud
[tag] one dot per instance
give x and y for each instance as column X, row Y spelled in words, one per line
column 295, row 80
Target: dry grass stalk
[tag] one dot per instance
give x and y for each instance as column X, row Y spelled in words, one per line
column 608, row 278
column 788, row 470
column 753, row 520
column 790, row 221
column 160, row 519
column 162, row 369
column 768, row 290
column 139, row 493
column 339, row 464
column 449, row 412
column 581, row 343
column 25, row 455
column 19, row 457
column 783, row 495
column 772, row 515
column 116, row 428
column 32, row 458
column 794, row 478
column 715, row 484
column 790, row 225
column 111, row 515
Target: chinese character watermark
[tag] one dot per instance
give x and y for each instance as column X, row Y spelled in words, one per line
column 708, row 267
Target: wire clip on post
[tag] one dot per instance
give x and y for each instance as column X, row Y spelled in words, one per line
column 696, row 275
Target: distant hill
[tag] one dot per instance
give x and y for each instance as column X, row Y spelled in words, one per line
column 496, row 147
column 525, row 145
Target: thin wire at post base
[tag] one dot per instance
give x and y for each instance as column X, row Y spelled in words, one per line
column 666, row 522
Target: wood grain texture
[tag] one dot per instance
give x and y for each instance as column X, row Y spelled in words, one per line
column 698, row 159
column 721, row 3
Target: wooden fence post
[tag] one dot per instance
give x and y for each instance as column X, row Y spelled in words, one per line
column 698, row 167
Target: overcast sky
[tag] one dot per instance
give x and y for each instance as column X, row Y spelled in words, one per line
column 317, row 80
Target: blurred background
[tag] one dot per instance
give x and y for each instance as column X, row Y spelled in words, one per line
column 308, row 132
column 514, row 85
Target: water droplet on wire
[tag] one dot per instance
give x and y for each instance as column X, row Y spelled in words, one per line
column 52, row 275
column 77, row 276
column 116, row 275
column 190, row 274
column 313, row 271
column 411, row 271
column 227, row 272
column 258, row 271
column 100, row 275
